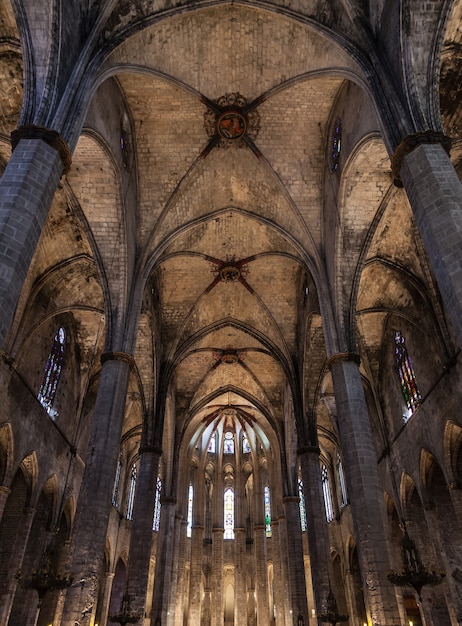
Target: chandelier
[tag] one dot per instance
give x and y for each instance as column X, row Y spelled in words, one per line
column 44, row 579
column 330, row 615
column 126, row 615
column 414, row 574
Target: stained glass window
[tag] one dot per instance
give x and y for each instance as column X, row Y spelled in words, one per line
column 228, row 444
column 245, row 445
column 156, row 518
column 267, row 511
column 341, row 482
column 131, row 493
column 301, row 502
column 406, row 375
column 190, row 511
column 229, row 513
column 115, row 491
column 53, row 369
column 336, row 144
column 326, row 493
column 212, row 443
column 124, row 144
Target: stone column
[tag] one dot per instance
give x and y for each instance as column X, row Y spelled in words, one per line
column 367, row 501
column 141, row 533
column 195, row 580
column 106, row 597
column 180, row 569
column 260, row 550
column 296, row 560
column 318, row 539
column 26, row 192
column 261, row 575
column 88, row 537
column 434, row 190
column 4, row 493
column 15, row 563
column 217, row 577
column 240, row 594
column 285, row 557
column 240, row 536
column 278, row 574
column 164, row 559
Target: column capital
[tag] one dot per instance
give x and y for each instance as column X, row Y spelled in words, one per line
column 124, row 357
column 309, row 450
column 150, row 449
column 49, row 136
column 288, row 499
column 167, row 500
column 342, row 357
column 410, row 142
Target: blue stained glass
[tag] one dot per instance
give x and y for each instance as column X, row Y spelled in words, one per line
column 229, row 513
column 228, row 444
column 131, row 493
column 190, row 511
column 406, row 375
column 157, row 506
column 47, row 393
column 267, row 511
column 301, row 502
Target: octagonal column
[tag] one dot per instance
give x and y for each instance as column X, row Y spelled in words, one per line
column 366, row 492
column 422, row 164
column 14, row 565
column 217, row 576
column 141, row 534
column 318, row 541
column 296, row 568
column 88, row 539
column 26, row 192
column 164, row 560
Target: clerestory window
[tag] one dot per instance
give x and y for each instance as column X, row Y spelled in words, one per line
column 406, row 376
column 47, row 393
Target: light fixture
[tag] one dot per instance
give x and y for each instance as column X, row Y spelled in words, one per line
column 414, row 573
column 330, row 615
column 126, row 615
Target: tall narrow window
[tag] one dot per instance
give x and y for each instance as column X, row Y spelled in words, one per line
column 190, row 511
column 212, row 447
column 229, row 513
column 406, row 375
column 301, row 502
column 131, row 493
column 156, row 518
column 245, row 445
column 228, row 444
column 116, row 489
column 267, row 511
column 47, row 393
column 341, row 482
column 336, row 144
column 326, row 493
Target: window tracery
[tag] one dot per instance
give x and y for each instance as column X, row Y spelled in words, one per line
column 228, row 443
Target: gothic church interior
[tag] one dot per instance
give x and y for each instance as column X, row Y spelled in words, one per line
column 231, row 312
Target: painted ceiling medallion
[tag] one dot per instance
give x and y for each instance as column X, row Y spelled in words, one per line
column 229, row 357
column 232, row 123
column 230, row 272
